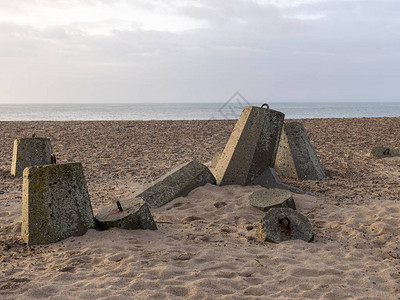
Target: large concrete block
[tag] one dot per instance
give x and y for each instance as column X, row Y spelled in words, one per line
column 30, row 152
column 251, row 148
column 296, row 157
column 55, row 203
column 130, row 214
column 177, row 183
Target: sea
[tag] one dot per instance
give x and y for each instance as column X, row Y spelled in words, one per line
column 190, row 111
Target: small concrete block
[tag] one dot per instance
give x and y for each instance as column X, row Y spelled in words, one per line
column 30, row 152
column 266, row 199
column 251, row 148
column 383, row 152
column 135, row 214
column 177, row 183
column 296, row 157
column 283, row 224
column 55, row 203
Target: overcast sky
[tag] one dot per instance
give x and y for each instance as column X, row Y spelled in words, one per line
column 199, row 51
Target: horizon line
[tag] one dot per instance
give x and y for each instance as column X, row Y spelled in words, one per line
column 201, row 102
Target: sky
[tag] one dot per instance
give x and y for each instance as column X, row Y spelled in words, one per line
column 118, row 51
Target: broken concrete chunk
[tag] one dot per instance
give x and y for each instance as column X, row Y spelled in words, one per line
column 268, row 198
column 55, row 203
column 177, row 183
column 135, row 214
column 383, row 152
column 30, row 152
column 283, row 224
column 296, row 157
column 251, row 148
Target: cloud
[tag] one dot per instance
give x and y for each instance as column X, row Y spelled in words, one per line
column 100, row 17
column 198, row 50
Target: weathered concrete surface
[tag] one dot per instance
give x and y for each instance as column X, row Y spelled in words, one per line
column 282, row 224
column 269, row 179
column 177, row 183
column 284, row 163
column 135, row 215
column 383, row 152
column 215, row 160
column 268, row 198
column 55, row 203
column 296, row 157
column 30, row 152
column 251, row 148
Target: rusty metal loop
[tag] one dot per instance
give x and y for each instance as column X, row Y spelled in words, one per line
column 53, row 159
column 265, row 104
column 119, row 206
column 287, row 223
column 386, row 152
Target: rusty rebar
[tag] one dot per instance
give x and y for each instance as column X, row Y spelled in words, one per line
column 119, row 206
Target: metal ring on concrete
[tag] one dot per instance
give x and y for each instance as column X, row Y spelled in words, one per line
column 265, row 104
column 287, row 223
column 119, row 206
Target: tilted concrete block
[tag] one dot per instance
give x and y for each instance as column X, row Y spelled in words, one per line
column 269, row 179
column 55, row 203
column 130, row 214
column 177, row 183
column 251, row 148
column 30, row 152
column 296, row 157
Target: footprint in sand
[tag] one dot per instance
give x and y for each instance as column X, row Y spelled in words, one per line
column 219, row 204
column 191, row 219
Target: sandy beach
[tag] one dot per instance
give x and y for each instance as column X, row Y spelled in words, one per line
column 204, row 247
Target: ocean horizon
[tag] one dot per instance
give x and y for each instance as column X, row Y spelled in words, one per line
column 190, row 111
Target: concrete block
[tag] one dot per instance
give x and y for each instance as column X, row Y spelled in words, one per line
column 383, row 152
column 55, row 203
column 215, row 160
column 296, row 157
column 177, row 183
column 132, row 214
column 29, row 152
column 251, row 148
column 269, row 179
column 282, row 224
column 268, row 198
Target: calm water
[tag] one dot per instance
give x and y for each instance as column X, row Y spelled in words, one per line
column 188, row 111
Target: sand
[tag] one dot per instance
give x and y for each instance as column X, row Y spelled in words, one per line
column 205, row 246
